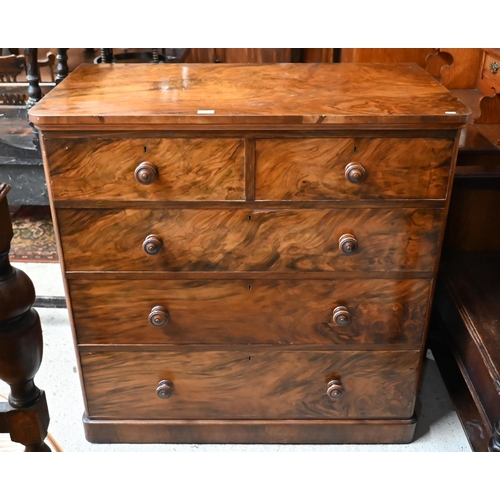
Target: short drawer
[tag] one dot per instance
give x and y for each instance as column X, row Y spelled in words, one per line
column 250, row 240
column 250, row 384
column 352, row 168
column 146, row 169
column 278, row 312
column 489, row 81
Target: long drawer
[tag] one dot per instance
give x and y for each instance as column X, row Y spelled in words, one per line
column 250, row 384
column 250, row 240
column 146, row 169
column 257, row 311
column 352, row 168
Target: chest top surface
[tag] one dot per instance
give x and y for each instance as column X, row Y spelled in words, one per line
column 302, row 96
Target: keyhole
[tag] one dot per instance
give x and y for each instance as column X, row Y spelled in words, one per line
column 249, row 287
column 355, row 149
column 249, row 217
column 249, row 358
column 145, row 149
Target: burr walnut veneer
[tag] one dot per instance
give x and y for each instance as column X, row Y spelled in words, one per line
column 249, row 251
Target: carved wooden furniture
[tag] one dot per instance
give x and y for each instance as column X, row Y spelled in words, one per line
column 239, row 55
column 465, row 333
column 249, row 251
column 25, row 416
column 20, row 159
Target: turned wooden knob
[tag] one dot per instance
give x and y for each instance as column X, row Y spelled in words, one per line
column 348, row 244
column 158, row 316
column 355, row 172
column 146, row 173
column 341, row 316
column 165, row 389
column 334, row 389
column 152, row 244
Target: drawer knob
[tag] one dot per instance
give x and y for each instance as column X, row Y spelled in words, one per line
column 158, row 316
column 494, row 67
column 348, row 244
column 152, row 244
column 165, row 389
column 146, row 173
column 334, row 389
column 341, row 316
column 355, row 172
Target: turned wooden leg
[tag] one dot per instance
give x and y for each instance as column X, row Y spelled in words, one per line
column 25, row 416
column 32, row 76
column 495, row 440
column 106, row 55
column 62, row 65
column 34, row 90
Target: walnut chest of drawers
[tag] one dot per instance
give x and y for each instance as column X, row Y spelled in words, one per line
column 249, row 251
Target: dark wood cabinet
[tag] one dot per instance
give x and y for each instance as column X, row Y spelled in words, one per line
column 243, row 261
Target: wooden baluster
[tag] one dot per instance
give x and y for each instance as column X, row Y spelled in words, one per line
column 25, row 416
column 62, row 65
column 32, row 76
column 106, row 55
column 34, row 90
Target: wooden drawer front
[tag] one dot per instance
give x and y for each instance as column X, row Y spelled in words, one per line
column 247, row 240
column 187, row 169
column 250, row 311
column 490, row 75
column 315, row 169
column 250, row 384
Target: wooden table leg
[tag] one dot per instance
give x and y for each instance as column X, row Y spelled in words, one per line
column 25, row 416
column 62, row 69
column 34, row 90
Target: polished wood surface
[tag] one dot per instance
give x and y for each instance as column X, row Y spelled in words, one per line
column 279, row 312
column 219, row 240
column 355, row 431
column 316, row 95
column 289, row 283
column 250, row 384
column 188, row 169
column 314, row 169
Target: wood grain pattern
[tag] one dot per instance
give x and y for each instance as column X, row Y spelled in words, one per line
column 385, row 55
column 270, row 384
column 188, row 169
column 239, row 55
column 314, row 169
column 369, row 431
column 455, row 68
column 250, row 311
column 250, row 240
column 318, row 95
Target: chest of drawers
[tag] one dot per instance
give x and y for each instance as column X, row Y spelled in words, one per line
column 249, row 251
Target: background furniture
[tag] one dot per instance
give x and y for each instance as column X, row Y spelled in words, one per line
column 243, row 266
column 25, row 416
column 464, row 331
column 20, row 159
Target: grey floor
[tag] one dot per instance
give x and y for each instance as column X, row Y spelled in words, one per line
column 438, row 428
